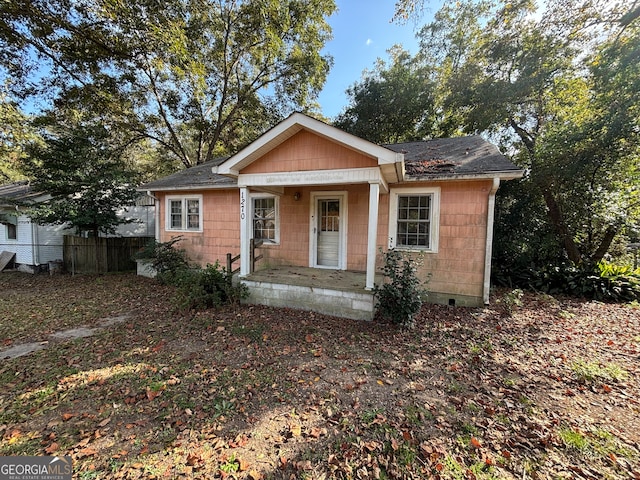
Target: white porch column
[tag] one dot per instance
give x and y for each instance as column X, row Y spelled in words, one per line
column 245, row 231
column 372, row 234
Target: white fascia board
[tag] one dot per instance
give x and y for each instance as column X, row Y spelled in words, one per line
column 292, row 125
column 312, row 177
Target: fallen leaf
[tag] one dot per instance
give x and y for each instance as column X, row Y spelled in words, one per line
column 475, row 442
column 104, row 422
column 243, row 465
column 295, row 429
column 255, row 475
column 86, row 452
column 67, row 416
column 51, row 448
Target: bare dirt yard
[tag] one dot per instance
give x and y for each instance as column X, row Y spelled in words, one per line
column 547, row 390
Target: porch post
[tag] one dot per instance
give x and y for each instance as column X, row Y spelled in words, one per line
column 372, row 234
column 245, row 228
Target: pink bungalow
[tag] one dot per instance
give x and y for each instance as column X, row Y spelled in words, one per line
column 325, row 203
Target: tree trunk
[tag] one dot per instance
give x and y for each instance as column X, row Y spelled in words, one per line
column 603, row 248
column 557, row 219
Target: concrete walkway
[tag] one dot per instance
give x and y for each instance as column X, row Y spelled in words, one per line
column 79, row 332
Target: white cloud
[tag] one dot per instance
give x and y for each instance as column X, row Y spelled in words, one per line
column 368, row 42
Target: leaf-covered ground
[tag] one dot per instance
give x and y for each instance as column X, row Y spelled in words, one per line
column 547, row 390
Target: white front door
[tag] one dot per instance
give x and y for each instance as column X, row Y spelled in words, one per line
column 328, row 230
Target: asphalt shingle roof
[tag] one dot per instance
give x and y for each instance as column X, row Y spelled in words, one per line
column 450, row 157
column 429, row 159
column 18, row 192
column 190, row 178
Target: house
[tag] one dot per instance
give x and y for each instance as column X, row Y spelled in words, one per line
column 31, row 246
column 325, row 203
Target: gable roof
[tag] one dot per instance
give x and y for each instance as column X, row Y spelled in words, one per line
column 198, row 177
column 457, row 157
column 438, row 159
column 389, row 161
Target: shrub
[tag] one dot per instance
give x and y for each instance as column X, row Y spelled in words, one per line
column 604, row 282
column 202, row 288
column 164, row 256
column 399, row 298
column 196, row 288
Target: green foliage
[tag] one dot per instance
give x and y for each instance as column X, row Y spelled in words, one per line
column 86, row 176
column 399, row 298
column 165, row 257
column 196, row 288
column 391, row 104
column 203, row 288
column 512, row 300
column 569, row 119
column 194, row 78
column 594, row 372
column 605, row 282
column 16, row 132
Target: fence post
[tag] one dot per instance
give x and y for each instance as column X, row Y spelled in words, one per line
column 229, row 265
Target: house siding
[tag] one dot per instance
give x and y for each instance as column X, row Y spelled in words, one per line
column 456, row 271
column 35, row 244
column 307, row 151
column 220, row 230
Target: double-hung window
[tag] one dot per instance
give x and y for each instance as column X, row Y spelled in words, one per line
column 10, row 224
column 413, row 219
column 184, row 214
column 266, row 225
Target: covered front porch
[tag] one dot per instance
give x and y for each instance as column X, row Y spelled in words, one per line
column 332, row 292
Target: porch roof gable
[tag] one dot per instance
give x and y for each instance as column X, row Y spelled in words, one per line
column 390, row 162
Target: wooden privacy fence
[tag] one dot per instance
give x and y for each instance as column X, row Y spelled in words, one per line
column 101, row 255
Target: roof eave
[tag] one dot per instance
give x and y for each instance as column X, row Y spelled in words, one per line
column 288, row 128
column 502, row 175
column 186, row 188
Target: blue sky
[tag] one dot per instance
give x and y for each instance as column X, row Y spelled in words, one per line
column 362, row 32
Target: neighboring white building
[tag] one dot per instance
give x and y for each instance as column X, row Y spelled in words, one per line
column 36, row 245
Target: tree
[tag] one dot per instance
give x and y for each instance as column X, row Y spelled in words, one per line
column 391, row 104
column 15, row 134
column 532, row 81
column 86, row 176
column 195, row 77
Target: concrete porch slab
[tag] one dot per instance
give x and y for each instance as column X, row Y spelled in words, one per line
column 332, row 292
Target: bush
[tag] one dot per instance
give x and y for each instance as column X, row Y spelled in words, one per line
column 202, row 288
column 196, row 288
column 164, row 256
column 399, row 298
column 604, row 282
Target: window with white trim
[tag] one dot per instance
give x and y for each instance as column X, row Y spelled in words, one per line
column 184, row 214
column 266, row 221
column 413, row 219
